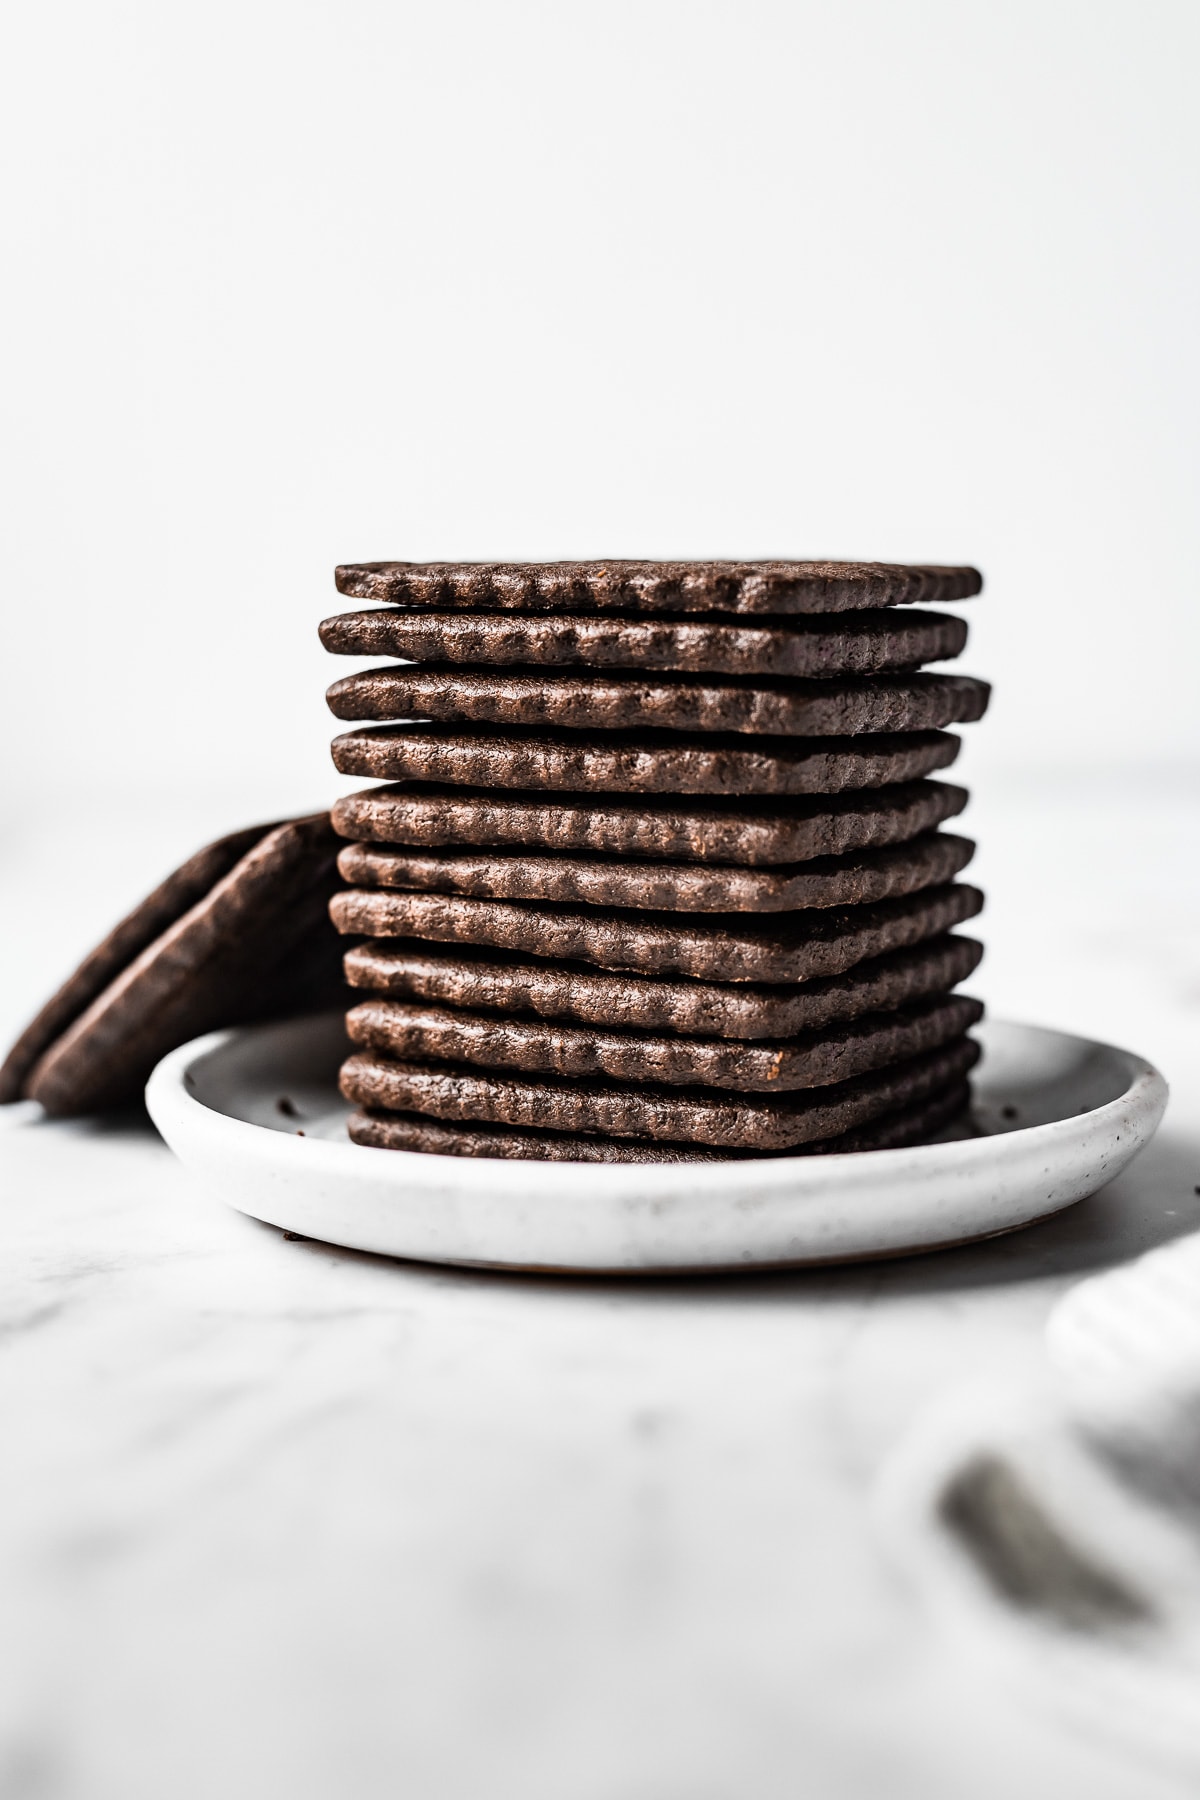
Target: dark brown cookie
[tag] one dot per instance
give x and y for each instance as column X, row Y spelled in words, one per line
column 540, row 1047
column 254, row 943
column 864, row 876
column 768, row 586
column 434, row 1137
column 753, row 832
column 643, row 762
column 679, row 1115
column 148, row 920
column 854, row 644
column 526, row 984
column 595, row 701
column 716, row 947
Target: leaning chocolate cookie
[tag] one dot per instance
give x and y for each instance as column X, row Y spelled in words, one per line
column 239, row 932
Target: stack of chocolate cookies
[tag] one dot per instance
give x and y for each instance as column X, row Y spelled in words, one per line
column 657, row 873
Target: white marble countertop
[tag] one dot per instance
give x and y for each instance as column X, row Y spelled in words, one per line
column 283, row 1520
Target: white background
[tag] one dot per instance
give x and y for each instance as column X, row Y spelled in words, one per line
column 298, row 284
column 293, row 284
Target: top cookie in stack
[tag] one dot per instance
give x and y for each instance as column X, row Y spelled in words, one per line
column 657, row 874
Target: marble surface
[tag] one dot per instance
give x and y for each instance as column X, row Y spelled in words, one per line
column 279, row 1519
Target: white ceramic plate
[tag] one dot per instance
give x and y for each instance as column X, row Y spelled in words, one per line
column 255, row 1112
